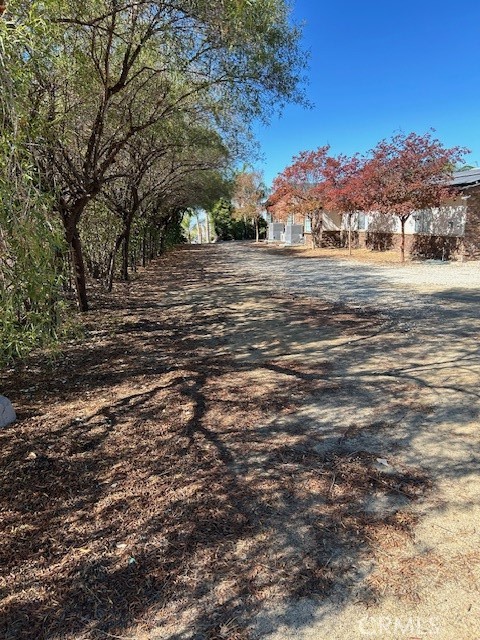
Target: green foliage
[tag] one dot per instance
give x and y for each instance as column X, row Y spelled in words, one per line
column 221, row 215
column 463, row 167
column 115, row 117
column 228, row 227
column 31, row 239
column 174, row 232
column 31, row 272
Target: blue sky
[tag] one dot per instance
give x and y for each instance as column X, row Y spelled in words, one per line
column 379, row 67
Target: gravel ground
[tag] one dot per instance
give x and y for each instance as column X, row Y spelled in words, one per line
column 394, row 289
column 419, row 378
column 248, row 446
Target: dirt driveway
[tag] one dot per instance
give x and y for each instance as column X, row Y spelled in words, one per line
column 251, row 445
column 411, row 396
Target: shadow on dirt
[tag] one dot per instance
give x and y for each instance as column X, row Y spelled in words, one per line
column 206, row 474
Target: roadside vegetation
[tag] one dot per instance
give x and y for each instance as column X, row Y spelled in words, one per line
column 116, row 118
column 241, row 217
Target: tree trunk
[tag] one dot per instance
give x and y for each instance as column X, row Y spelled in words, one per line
column 125, row 250
column 349, row 234
column 111, row 261
column 207, row 228
column 144, row 249
column 111, row 270
column 402, row 245
column 70, row 218
column 199, row 230
column 257, row 231
column 317, row 230
column 69, row 287
column 151, row 250
column 79, row 271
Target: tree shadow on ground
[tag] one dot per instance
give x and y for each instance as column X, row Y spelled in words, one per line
column 207, row 472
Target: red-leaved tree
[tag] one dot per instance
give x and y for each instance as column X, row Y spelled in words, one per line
column 406, row 174
column 343, row 187
column 299, row 188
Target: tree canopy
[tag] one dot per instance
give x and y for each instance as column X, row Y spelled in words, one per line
column 300, row 188
column 119, row 116
column 406, row 173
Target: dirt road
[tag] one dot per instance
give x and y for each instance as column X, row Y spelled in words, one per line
column 251, row 445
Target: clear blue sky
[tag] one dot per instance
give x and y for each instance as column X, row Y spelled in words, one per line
column 377, row 67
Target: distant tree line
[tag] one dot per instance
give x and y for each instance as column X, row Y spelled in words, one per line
column 241, row 217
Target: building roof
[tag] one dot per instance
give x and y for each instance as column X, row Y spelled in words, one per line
column 467, row 178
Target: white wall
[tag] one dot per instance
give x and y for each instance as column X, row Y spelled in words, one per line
column 448, row 220
column 332, row 221
column 442, row 221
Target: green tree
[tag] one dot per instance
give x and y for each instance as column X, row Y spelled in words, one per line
column 31, row 242
column 222, row 217
column 109, row 71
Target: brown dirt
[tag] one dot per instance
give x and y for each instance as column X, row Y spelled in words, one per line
column 163, row 482
column 368, row 256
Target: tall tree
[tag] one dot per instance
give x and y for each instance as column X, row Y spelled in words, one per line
column 248, row 196
column 159, row 167
column 302, row 186
column 408, row 173
column 343, row 188
column 112, row 70
column 222, row 217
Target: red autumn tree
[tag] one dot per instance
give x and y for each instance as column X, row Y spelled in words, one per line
column 343, row 187
column 408, row 173
column 278, row 202
column 300, row 189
